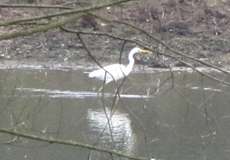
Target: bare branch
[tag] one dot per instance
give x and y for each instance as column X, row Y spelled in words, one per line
column 64, row 13
column 144, row 46
column 205, row 74
column 104, row 19
column 44, row 28
column 68, row 142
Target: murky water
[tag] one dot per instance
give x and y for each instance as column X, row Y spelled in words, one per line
column 157, row 115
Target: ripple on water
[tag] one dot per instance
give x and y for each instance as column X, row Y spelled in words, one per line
column 75, row 94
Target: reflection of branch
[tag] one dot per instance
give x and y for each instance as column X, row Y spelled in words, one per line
column 67, row 142
column 64, row 13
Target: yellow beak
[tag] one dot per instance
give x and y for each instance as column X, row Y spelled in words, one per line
column 145, row 51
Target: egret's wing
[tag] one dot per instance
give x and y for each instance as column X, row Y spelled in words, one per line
column 117, row 70
column 114, row 72
column 97, row 73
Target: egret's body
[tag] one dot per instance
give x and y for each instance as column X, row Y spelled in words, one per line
column 110, row 73
column 115, row 72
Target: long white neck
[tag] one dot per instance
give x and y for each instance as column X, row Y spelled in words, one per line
column 129, row 67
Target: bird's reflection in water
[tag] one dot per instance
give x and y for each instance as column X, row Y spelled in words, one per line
column 115, row 131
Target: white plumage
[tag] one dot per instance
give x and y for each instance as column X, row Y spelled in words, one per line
column 115, row 72
column 110, row 73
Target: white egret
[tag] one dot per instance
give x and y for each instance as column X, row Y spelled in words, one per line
column 115, row 72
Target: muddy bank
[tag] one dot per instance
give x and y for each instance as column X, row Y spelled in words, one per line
column 195, row 28
column 61, row 47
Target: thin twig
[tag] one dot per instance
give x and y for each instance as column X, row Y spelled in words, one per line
column 40, row 6
column 121, row 51
column 162, row 43
column 201, row 73
column 180, row 53
column 206, row 75
column 93, row 58
column 134, row 41
column 86, row 49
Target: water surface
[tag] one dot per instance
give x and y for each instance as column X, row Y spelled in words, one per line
column 157, row 115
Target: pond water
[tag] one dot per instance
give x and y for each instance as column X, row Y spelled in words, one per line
column 157, row 115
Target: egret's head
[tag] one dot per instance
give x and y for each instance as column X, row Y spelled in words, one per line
column 135, row 50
